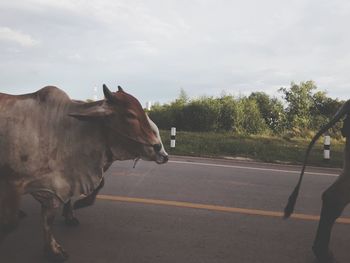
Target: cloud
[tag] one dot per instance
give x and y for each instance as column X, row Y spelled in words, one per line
column 25, row 40
column 154, row 48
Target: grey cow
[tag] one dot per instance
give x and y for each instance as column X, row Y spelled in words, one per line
column 56, row 149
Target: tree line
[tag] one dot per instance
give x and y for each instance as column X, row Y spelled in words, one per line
column 302, row 110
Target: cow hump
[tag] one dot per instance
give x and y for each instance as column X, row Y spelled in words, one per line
column 50, row 93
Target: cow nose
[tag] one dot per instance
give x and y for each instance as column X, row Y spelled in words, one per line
column 157, row 147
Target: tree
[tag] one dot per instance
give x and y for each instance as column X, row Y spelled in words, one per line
column 271, row 110
column 182, row 98
column 228, row 108
column 299, row 102
column 248, row 117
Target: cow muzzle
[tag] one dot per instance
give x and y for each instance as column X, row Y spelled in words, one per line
column 161, row 155
column 154, row 152
column 162, row 158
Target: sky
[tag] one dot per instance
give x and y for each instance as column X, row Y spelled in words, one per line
column 155, row 48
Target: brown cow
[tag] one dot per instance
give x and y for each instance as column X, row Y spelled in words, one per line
column 56, row 149
column 335, row 198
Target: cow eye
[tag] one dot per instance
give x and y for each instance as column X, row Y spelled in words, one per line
column 130, row 115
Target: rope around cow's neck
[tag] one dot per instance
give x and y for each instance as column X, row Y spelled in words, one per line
column 136, row 161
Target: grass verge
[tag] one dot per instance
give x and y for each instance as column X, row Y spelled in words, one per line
column 260, row 148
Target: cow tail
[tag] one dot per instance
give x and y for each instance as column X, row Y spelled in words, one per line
column 288, row 210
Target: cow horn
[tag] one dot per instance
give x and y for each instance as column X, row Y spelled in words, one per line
column 120, row 89
column 108, row 94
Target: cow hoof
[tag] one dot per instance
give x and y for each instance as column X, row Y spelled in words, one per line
column 323, row 255
column 71, row 221
column 56, row 256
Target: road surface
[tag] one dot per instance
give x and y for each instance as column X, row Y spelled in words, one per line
column 190, row 210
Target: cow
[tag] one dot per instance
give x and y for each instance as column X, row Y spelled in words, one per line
column 336, row 197
column 57, row 149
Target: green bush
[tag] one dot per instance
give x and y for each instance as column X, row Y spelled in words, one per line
column 201, row 115
column 304, row 111
column 227, row 114
column 249, row 117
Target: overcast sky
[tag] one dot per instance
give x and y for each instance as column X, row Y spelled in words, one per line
column 155, row 48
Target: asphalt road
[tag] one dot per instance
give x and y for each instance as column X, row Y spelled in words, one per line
column 189, row 210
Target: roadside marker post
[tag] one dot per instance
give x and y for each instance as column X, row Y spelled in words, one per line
column 172, row 137
column 327, row 147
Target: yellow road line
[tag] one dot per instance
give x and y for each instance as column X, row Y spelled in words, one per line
column 213, row 208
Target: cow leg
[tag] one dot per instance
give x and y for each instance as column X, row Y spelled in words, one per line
column 9, row 208
column 68, row 209
column 68, row 214
column 335, row 198
column 52, row 249
column 90, row 199
column 49, row 208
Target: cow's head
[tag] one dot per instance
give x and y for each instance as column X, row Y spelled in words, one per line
column 129, row 131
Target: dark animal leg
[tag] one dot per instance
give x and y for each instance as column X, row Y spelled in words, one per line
column 68, row 214
column 90, row 199
column 49, row 207
column 335, row 198
column 9, row 208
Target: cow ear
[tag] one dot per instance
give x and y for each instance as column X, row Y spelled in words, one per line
column 91, row 113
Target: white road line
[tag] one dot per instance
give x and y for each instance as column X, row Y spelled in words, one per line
column 251, row 168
